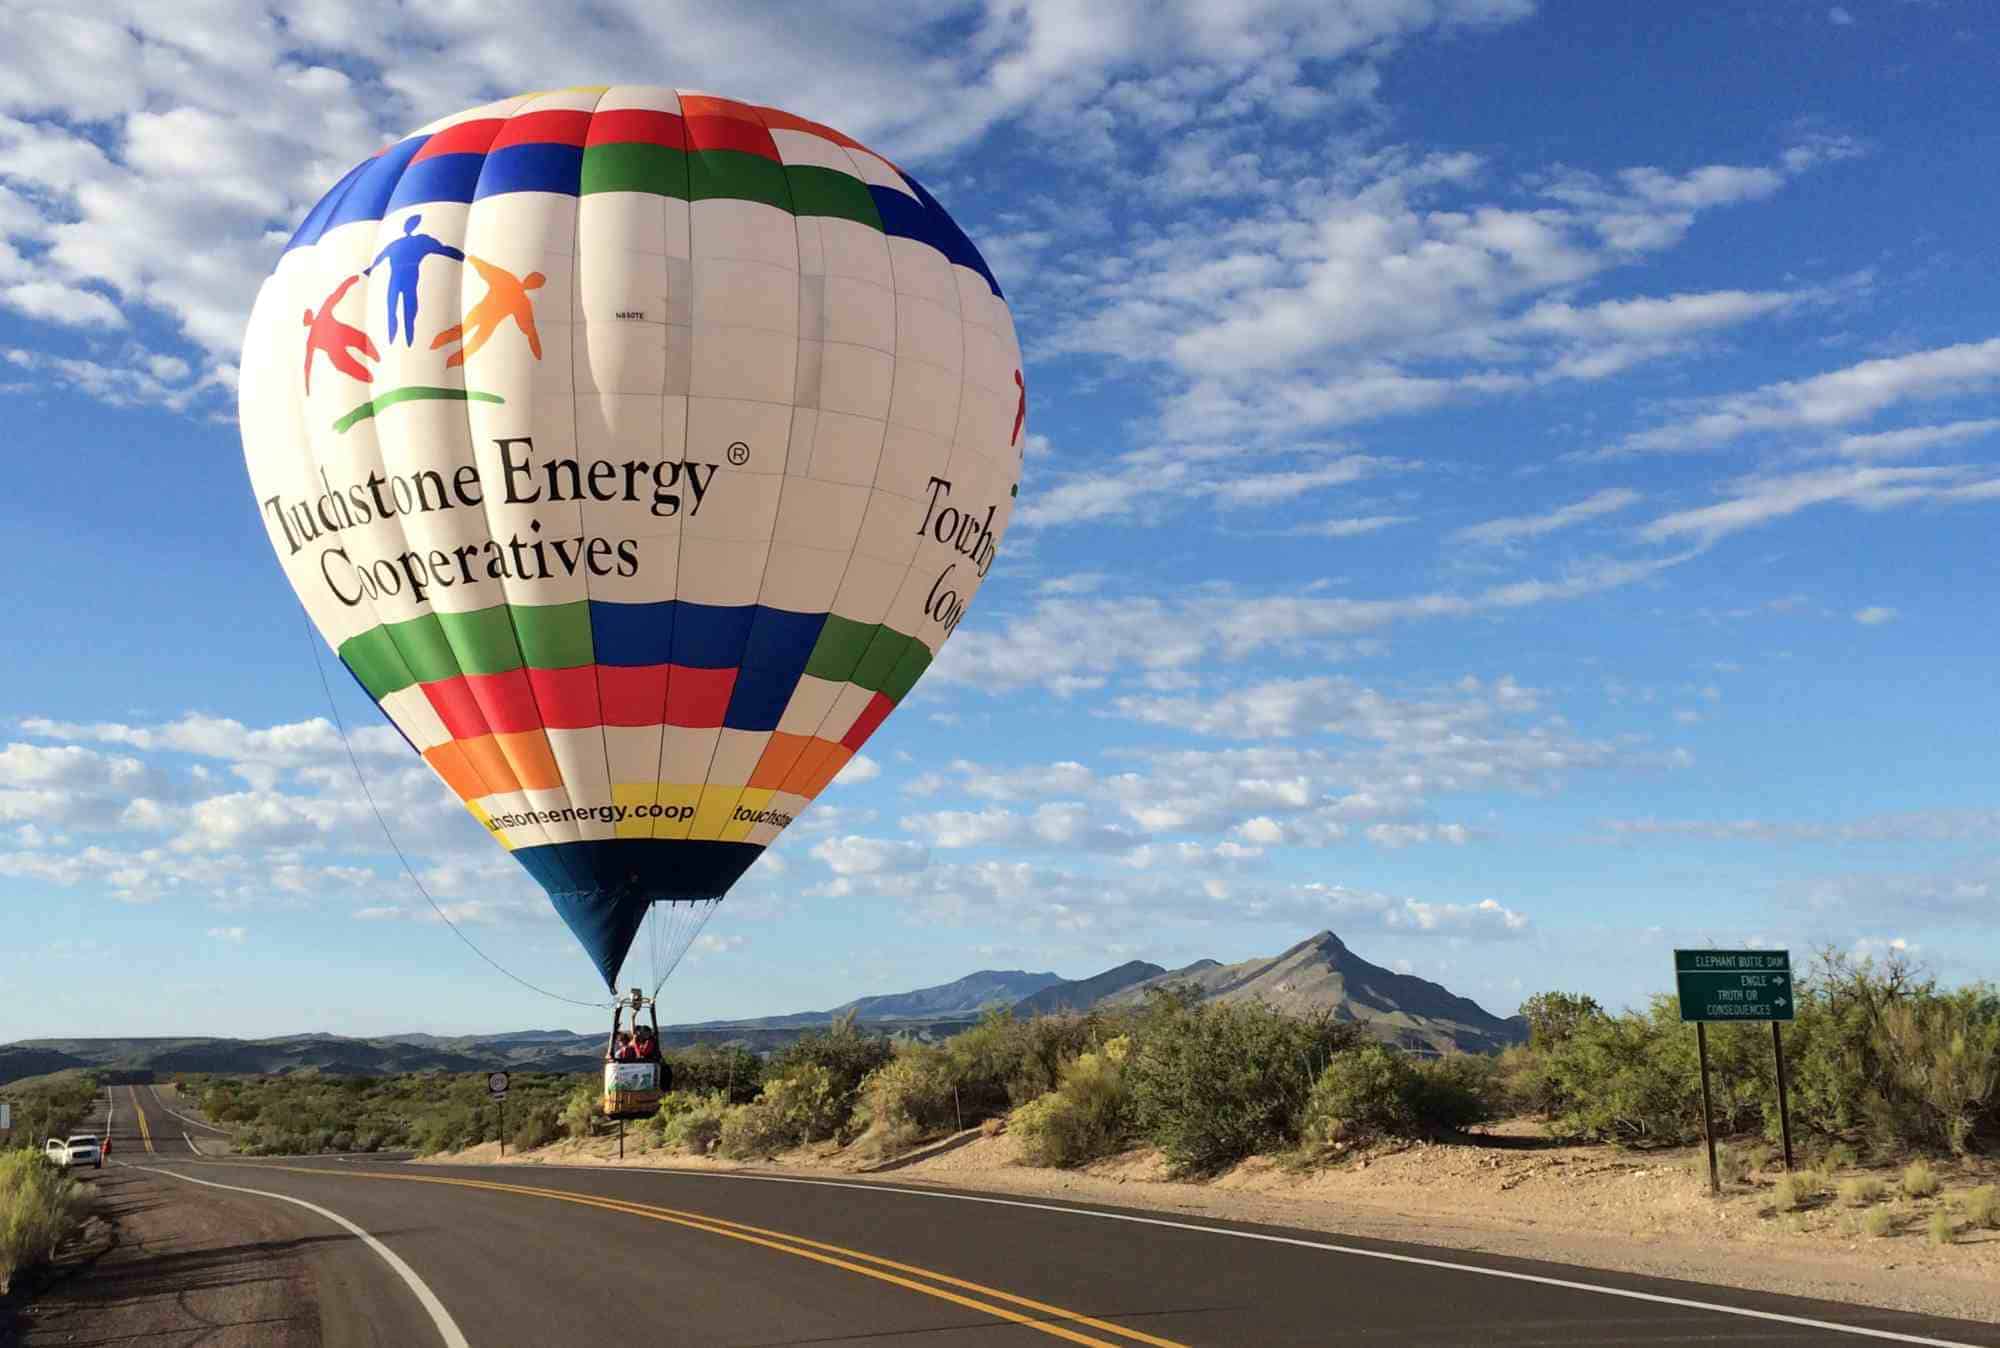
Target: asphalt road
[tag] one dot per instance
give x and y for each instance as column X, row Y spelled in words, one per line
column 509, row 1255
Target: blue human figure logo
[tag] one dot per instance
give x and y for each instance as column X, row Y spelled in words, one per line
column 405, row 256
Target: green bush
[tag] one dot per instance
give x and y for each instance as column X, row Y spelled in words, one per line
column 908, row 1098
column 536, row 1127
column 823, row 1071
column 1087, row 1116
column 1213, row 1082
column 1364, row 1093
column 705, row 1068
column 579, row 1108
column 1458, row 1090
column 39, row 1209
column 50, row 1106
column 691, row 1123
column 753, row 1130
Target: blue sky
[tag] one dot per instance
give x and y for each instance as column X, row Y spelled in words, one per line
column 1511, row 483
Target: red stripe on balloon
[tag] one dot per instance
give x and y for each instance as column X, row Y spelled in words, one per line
column 567, row 697
column 475, row 137
column 632, row 695
column 872, row 716
column 560, row 126
column 637, row 126
column 698, row 698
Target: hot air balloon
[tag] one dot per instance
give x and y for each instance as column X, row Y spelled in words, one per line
column 637, row 450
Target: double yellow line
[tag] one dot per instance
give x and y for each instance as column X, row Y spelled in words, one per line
column 145, row 1131
column 1020, row 1310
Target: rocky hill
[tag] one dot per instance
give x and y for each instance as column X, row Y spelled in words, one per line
column 1321, row 973
column 1078, row 994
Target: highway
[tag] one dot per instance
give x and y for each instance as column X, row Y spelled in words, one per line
column 507, row 1255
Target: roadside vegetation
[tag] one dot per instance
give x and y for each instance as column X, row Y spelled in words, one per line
column 50, row 1106
column 40, row 1207
column 306, row 1113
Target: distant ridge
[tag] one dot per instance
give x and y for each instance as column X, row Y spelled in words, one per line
column 1319, row 972
column 1083, row 993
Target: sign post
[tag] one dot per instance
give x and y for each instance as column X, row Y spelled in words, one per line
column 1725, row 985
column 496, row 1086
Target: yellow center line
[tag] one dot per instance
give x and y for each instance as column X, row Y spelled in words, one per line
column 145, row 1133
column 838, row 1256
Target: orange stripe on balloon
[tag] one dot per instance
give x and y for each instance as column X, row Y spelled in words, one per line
column 449, row 762
column 807, row 765
column 533, row 761
column 780, row 754
column 829, row 768
column 489, row 761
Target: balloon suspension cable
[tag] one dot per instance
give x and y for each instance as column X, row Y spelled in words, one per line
column 669, row 935
column 312, row 639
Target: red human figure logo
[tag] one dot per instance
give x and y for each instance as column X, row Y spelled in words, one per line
column 506, row 297
column 1021, row 412
column 338, row 340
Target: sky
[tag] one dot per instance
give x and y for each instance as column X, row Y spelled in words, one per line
column 1510, row 482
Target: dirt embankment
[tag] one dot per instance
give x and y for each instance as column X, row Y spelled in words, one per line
column 1505, row 1191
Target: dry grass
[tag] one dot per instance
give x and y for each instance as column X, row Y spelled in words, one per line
column 1981, row 1206
column 39, row 1209
column 1919, row 1179
column 1861, row 1191
column 1796, row 1190
column 1943, row 1231
column 1879, row 1222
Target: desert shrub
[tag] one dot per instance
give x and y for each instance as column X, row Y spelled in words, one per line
column 1919, row 1180
column 1212, row 1083
column 50, row 1106
column 1087, row 1116
column 1880, row 1050
column 1981, row 1207
column 1879, row 1222
column 1732, row 1166
column 825, row 1069
column 1943, row 1231
column 39, row 1209
column 690, row 1122
column 1458, row 1090
column 706, row 1068
column 908, row 1098
column 1862, row 1190
column 535, row 1127
column 753, row 1130
column 578, row 1115
column 1365, row 1092
column 1795, row 1190
column 1634, row 1078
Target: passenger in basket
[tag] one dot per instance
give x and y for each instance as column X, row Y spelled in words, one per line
column 644, row 1047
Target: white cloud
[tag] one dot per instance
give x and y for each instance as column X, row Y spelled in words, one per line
column 1874, row 615
column 1352, row 527
column 853, row 855
column 1839, row 16
column 1534, row 526
column 1754, row 501
column 231, row 935
column 860, row 768
column 1825, row 400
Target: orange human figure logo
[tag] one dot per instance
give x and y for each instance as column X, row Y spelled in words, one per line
column 337, row 339
column 506, row 297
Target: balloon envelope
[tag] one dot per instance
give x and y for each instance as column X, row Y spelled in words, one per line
column 637, row 451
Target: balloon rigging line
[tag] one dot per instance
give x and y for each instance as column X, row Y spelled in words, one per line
column 312, row 639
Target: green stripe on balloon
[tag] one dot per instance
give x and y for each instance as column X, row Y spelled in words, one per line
column 880, row 659
column 658, row 169
column 842, row 643
column 908, row 670
column 555, row 636
column 412, row 393
column 731, row 175
column 829, row 192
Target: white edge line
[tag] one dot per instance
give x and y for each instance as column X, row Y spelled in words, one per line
column 190, row 1141
column 447, row 1328
column 1545, row 1280
column 185, row 1119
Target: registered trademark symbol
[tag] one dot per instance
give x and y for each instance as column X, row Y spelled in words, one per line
column 739, row 453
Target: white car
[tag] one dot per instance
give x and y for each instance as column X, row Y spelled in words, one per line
column 82, row 1149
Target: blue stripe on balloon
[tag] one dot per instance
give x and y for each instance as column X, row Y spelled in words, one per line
column 926, row 222
column 369, row 197
column 447, row 177
column 540, row 166
column 711, row 636
column 632, row 634
column 781, row 642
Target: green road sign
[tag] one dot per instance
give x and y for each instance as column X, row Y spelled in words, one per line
column 1734, row 984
